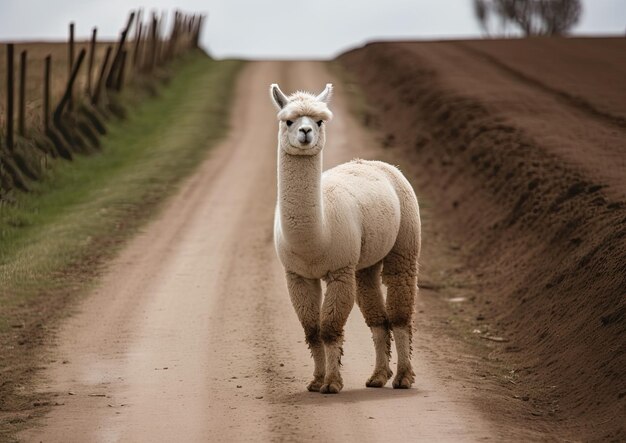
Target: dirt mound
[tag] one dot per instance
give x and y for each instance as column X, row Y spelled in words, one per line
column 531, row 171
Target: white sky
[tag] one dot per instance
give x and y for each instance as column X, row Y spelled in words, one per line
column 283, row 28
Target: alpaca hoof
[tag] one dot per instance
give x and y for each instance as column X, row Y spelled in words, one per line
column 315, row 385
column 331, row 388
column 378, row 379
column 375, row 382
column 403, row 383
column 404, row 380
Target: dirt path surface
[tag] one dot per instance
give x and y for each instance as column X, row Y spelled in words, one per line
column 191, row 335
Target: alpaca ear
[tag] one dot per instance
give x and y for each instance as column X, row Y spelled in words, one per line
column 279, row 99
column 326, row 94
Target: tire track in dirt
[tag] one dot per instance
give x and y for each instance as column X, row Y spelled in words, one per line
column 191, row 336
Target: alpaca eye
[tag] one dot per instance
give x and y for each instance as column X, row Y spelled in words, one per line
column 289, row 122
column 319, row 123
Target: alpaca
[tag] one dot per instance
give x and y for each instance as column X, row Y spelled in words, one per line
column 346, row 226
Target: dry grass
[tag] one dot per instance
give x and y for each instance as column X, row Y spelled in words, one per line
column 37, row 52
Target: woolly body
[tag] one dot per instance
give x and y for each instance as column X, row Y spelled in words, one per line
column 356, row 223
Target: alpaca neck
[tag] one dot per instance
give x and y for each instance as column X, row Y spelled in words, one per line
column 300, row 205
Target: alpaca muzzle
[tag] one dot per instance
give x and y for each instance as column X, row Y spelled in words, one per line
column 305, row 135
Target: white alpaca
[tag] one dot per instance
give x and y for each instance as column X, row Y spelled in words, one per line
column 344, row 226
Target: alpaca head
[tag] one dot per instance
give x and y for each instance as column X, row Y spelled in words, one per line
column 302, row 120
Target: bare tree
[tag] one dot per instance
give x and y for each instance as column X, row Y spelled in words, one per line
column 531, row 17
column 521, row 13
column 481, row 11
column 559, row 15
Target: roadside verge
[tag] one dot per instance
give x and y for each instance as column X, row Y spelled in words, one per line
column 55, row 241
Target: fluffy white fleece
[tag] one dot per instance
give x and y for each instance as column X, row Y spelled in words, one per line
column 344, row 226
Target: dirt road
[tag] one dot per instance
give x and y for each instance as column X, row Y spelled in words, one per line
column 191, row 336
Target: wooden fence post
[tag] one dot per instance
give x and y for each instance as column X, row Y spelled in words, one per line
column 95, row 99
column 173, row 36
column 46, row 93
column 137, row 41
column 70, row 85
column 21, row 117
column 113, row 74
column 138, row 19
column 70, row 63
column 137, row 50
column 120, row 76
column 139, row 33
column 153, row 46
column 196, row 37
column 158, row 43
column 10, row 95
column 92, row 53
column 192, row 20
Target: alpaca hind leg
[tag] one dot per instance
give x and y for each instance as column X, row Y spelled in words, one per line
column 369, row 297
column 405, row 376
column 306, row 297
column 338, row 302
column 400, row 277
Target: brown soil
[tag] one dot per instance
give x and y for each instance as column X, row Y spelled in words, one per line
column 191, row 335
column 521, row 145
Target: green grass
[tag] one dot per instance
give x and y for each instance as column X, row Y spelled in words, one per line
column 84, row 209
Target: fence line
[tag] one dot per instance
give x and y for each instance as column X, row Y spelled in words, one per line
column 68, row 130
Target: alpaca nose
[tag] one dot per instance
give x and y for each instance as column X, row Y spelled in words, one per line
column 306, row 129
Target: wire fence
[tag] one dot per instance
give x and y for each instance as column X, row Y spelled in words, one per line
column 45, row 113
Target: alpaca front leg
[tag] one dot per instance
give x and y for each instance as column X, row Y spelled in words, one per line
column 306, row 297
column 338, row 302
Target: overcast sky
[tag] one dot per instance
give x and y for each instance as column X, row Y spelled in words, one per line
column 283, row 28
